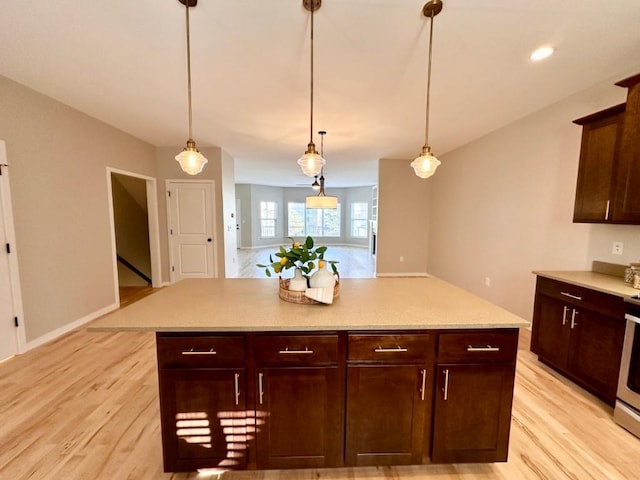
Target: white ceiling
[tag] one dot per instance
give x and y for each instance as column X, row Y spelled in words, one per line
column 124, row 62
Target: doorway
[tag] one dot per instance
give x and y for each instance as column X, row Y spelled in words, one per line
column 191, row 220
column 134, row 231
column 12, row 331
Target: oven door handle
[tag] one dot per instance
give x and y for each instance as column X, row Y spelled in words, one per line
column 632, row 318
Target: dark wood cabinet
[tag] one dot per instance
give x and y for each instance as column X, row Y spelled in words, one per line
column 199, row 409
column 202, row 386
column 332, row 399
column 580, row 333
column 299, row 417
column 389, row 399
column 300, row 395
column 473, row 412
column 609, row 170
column 473, row 398
column 595, row 352
column 595, row 171
column 552, row 330
column 626, row 202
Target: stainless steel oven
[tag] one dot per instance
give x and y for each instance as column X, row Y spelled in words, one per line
column 627, row 409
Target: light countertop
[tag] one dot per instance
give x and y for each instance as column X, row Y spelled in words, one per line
column 610, row 284
column 245, row 305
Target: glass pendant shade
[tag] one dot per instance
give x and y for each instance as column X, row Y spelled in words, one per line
column 425, row 165
column 190, row 159
column 322, row 201
column 311, row 162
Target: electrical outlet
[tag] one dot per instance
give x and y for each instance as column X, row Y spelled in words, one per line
column 487, row 281
column 401, row 259
column 617, row 248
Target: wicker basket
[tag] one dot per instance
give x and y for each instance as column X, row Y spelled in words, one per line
column 299, row 297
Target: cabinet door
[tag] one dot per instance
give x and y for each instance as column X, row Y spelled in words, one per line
column 626, row 204
column 595, row 173
column 299, row 417
column 472, row 415
column 204, row 419
column 387, row 409
column 551, row 330
column 595, row 353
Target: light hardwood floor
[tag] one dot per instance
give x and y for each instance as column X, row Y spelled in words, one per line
column 355, row 262
column 86, row 407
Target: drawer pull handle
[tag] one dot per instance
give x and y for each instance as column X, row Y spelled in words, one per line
column 397, row 349
column 575, row 297
column 199, row 352
column 286, row 351
column 483, row 348
column 423, row 372
column 237, row 387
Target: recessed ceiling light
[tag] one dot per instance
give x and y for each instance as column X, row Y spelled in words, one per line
column 542, row 53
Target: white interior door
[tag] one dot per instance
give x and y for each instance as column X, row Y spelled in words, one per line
column 10, row 306
column 238, row 223
column 191, row 221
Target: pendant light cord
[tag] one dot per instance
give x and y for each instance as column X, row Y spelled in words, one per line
column 311, row 82
column 426, row 123
column 189, row 70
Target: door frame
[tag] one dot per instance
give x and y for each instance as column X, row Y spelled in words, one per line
column 14, row 273
column 214, row 233
column 154, row 229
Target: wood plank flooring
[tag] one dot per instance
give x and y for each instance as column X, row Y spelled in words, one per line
column 129, row 295
column 355, row 262
column 85, row 407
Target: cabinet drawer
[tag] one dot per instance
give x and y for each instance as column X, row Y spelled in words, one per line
column 296, row 349
column 575, row 295
column 489, row 346
column 390, row 348
column 200, row 351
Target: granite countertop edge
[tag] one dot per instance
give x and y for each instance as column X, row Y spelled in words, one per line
column 252, row 305
column 600, row 282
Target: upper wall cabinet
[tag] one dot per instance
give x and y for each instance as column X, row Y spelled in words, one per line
column 609, row 173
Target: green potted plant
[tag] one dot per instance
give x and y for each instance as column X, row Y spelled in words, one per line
column 303, row 257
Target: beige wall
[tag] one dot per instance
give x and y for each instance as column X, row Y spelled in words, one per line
column 502, row 206
column 403, row 219
column 58, row 159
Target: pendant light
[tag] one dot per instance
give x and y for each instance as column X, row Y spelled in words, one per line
column 425, row 165
column 311, row 162
column 321, row 200
column 190, row 159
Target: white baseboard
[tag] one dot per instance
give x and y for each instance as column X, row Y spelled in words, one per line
column 68, row 327
column 404, row 274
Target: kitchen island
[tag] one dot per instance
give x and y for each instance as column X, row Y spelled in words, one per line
column 395, row 371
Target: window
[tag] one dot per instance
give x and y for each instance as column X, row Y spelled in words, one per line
column 323, row 222
column 317, row 222
column 268, row 216
column 359, row 219
column 295, row 212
